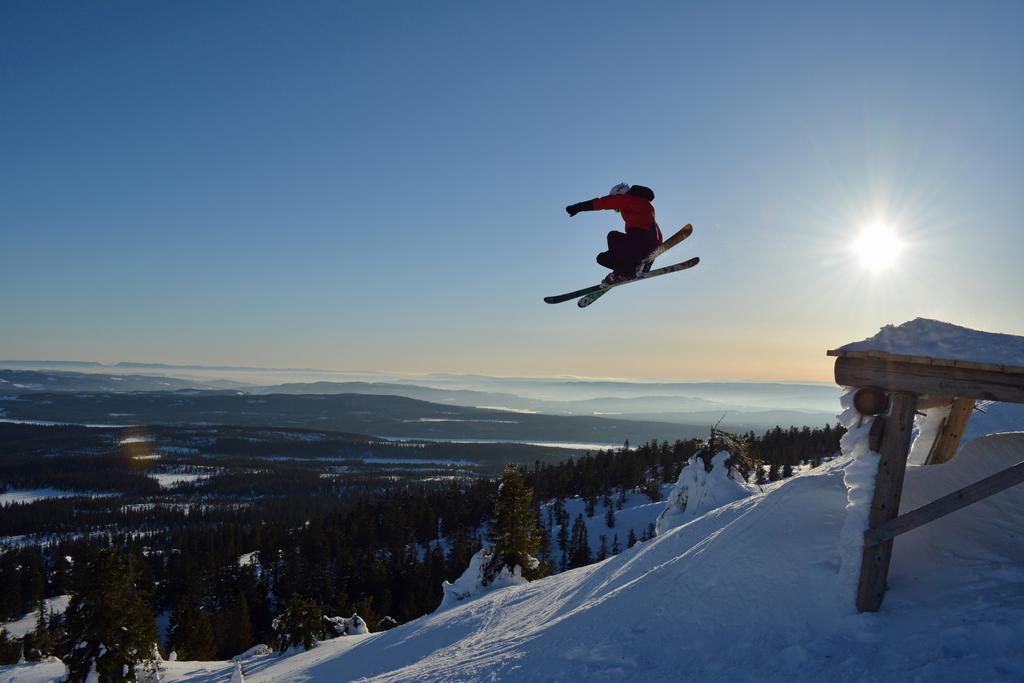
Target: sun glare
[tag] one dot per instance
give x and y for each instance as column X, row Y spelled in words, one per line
column 878, row 247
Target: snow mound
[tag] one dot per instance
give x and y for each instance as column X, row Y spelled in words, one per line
column 472, row 581
column 937, row 339
column 996, row 417
column 348, row 626
column 47, row 670
column 697, row 491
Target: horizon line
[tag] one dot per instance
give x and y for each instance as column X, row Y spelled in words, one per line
column 397, row 374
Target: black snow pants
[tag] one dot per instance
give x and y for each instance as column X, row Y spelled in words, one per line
column 626, row 249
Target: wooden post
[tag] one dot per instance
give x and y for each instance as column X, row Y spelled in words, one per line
column 885, row 505
column 948, row 438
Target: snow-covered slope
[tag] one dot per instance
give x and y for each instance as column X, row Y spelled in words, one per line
column 750, row 591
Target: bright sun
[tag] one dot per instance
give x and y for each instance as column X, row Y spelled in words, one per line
column 878, row 246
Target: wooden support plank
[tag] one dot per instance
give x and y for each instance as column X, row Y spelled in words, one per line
column 948, row 439
column 930, row 379
column 947, row 504
column 925, row 402
column 927, row 360
column 885, row 505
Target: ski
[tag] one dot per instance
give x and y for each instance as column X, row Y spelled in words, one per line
column 591, row 297
column 573, row 295
column 672, row 241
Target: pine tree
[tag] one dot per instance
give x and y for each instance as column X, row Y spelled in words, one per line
column 109, row 621
column 192, row 633
column 10, row 648
column 602, row 551
column 563, row 538
column 653, row 490
column 202, row 644
column 631, row 539
column 301, row 622
column 40, row 642
column 579, row 545
column 616, row 548
column 609, row 517
column 514, row 531
column 242, row 633
column 365, row 609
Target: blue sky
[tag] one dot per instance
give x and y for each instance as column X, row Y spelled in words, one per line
column 380, row 185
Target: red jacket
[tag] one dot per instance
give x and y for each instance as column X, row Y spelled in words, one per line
column 637, row 212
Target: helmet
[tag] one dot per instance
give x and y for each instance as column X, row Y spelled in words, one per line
column 621, row 188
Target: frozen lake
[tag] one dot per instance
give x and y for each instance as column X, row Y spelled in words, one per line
column 171, row 479
column 576, row 445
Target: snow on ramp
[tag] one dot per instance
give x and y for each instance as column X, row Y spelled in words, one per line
column 747, row 592
column 937, row 339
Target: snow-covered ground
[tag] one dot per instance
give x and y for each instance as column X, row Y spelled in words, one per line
column 22, row 496
column 20, row 627
column 50, row 670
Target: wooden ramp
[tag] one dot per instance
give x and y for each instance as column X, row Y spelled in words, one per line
column 896, row 387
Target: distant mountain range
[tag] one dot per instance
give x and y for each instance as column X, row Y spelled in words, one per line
column 393, row 417
column 28, row 381
column 740, row 406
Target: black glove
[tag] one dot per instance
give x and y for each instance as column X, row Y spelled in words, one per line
column 574, row 209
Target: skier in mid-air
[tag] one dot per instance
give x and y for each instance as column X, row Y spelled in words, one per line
column 626, row 249
column 631, row 253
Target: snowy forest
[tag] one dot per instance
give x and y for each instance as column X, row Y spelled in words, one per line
column 218, row 577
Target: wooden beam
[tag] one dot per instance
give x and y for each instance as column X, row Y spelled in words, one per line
column 946, row 505
column 930, row 379
column 948, row 439
column 926, row 360
column 885, row 505
column 926, row 402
